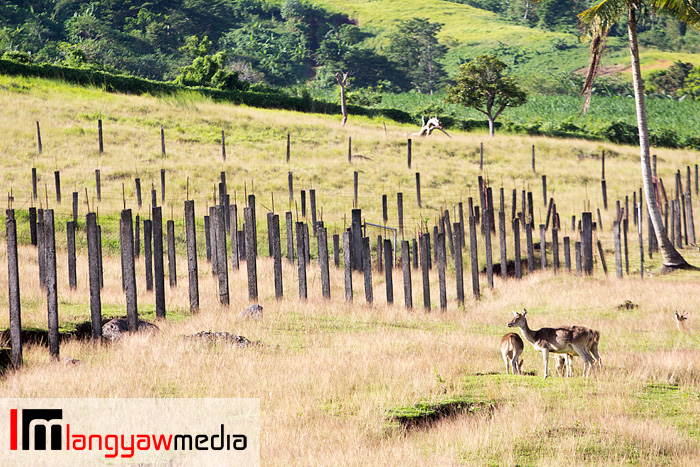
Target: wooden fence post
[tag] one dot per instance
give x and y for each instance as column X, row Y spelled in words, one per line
column 474, row 258
column 418, row 187
column 250, row 255
column 94, row 275
column 222, row 254
column 233, row 225
column 70, row 243
column 487, row 244
column 424, row 257
column 172, row 266
column 555, row 249
column 312, row 203
column 336, row 250
column 543, row 248
column 162, row 186
column 587, row 242
column 98, row 185
column 502, row 242
column 41, row 247
column 355, row 183
column 322, row 239
column 356, row 232
column 301, row 260
column 290, row 236
column 389, row 270
column 367, row 267
column 277, row 256
column 192, row 272
column 57, row 178
column 347, row 265
column 137, row 237
column 158, row 269
column 577, row 254
column 406, row 269
column 567, row 253
column 408, row 155
column 516, row 249
column 618, row 249
column 602, row 257
column 126, row 240
column 38, row 137
column 138, row 191
column 442, row 263
column 625, row 229
column 212, row 241
column 14, row 295
column 51, row 283
column 148, row 252
column 530, row 248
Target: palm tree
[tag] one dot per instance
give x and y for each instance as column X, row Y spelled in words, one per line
column 597, row 21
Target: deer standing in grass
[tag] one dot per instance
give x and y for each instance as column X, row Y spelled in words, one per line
column 567, row 359
column 562, row 339
column 680, row 320
column 511, row 348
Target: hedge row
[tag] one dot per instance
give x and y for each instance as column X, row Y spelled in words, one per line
column 112, row 82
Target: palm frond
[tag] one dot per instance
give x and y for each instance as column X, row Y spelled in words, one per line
column 603, row 15
column 686, row 11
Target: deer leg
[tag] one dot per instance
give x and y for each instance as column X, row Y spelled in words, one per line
column 545, row 356
column 587, row 359
column 569, row 366
column 516, row 368
column 594, row 351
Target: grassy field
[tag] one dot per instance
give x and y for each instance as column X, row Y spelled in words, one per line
column 347, row 384
column 471, row 31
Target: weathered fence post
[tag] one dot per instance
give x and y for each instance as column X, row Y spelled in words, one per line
column 148, row 252
column 277, row 256
column 138, row 191
column 38, row 137
column 577, row 254
column 516, row 249
column 99, row 255
column 602, row 257
column 98, row 185
column 587, row 242
column 418, row 187
column 94, row 275
column 379, row 253
column 389, row 270
column 162, row 186
column 605, row 194
column 487, row 244
column 347, row 265
column 399, row 202
column 233, row 225
column 301, row 260
column 625, row 228
column 212, row 241
column 543, row 248
column 70, row 243
column 555, row 249
column 442, row 263
column 35, row 191
column 424, row 258
column 406, row 268
column 502, row 242
column 544, row 190
column 126, row 241
column 192, row 272
column 222, row 254
column 137, row 237
column 336, row 250
column 459, row 265
column 312, row 203
column 474, row 258
column 172, row 266
column 223, row 145
column 290, row 236
column 158, row 269
column 250, row 255
column 408, row 155
column 567, row 254
column 290, row 182
column 356, row 232
column 289, row 147
column 530, row 248
column 57, row 178
column 14, row 295
column 618, row 249
column 367, row 266
column 414, row 255
column 51, row 282
column 322, row 239
column 303, row 204
column 355, row 183
column 41, row 247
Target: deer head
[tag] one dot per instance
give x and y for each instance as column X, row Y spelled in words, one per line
column 518, row 318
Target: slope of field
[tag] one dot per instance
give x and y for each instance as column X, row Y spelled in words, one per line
column 470, row 31
column 339, row 382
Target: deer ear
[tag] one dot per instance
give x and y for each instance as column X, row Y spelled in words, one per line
column 524, row 312
column 515, row 313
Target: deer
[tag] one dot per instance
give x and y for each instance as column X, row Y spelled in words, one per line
column 680, row 320
column 567, row 359
column 560, row 340
column 511, row 348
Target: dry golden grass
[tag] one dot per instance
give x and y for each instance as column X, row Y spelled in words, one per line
column 330, row 373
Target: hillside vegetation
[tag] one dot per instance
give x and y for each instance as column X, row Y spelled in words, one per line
column 352, row 383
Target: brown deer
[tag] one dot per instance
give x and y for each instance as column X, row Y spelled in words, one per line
column 680, row 320
column 511, row 348
column 562, row 339
column 567, row 359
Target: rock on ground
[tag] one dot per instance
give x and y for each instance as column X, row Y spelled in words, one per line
column 114, row 329
column 226, row 337
column 253, row 311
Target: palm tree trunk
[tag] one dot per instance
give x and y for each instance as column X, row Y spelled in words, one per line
column 671, row 257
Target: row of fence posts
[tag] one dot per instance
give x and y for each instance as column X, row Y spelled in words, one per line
column 356, row 248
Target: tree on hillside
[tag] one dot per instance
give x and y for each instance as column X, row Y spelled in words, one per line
column 483, row 85
column 415, row 48
column 598, row 20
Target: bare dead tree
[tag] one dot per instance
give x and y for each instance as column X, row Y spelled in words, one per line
column 342, row 79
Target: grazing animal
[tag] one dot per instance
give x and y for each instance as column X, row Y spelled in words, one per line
column 680, row 320
column 511, row 348
column 567, row 359
column 562, row 339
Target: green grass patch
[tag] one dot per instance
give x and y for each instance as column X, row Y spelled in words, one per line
column 426, row 412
